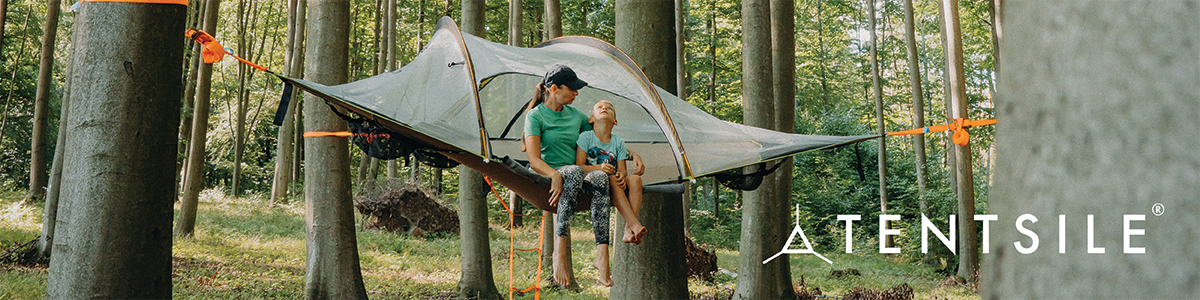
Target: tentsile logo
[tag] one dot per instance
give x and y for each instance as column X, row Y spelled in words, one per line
column 808, row 248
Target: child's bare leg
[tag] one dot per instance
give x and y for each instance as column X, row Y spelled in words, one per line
column 601, row 264
column 634, row 183
column 633, row 227
column 635, row 193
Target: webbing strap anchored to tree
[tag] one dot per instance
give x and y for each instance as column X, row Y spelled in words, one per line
column 512, row 249
column 212, row 50
column 958, row 126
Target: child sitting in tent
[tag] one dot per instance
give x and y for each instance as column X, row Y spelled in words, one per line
column 599, row 149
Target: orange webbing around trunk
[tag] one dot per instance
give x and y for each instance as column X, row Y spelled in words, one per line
column 180, row 2
column 958, row 126
column 537, row 291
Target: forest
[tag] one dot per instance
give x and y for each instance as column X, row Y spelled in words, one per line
column 240, row 182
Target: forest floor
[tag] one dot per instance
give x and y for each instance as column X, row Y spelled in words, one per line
column 249, row 249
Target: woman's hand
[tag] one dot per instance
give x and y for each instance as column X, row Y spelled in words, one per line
column 556, row 188
column 638, row 168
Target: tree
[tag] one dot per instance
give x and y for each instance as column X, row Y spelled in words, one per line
column 193, row 180
column 553, row 29
column 54, row 189
column 783, row 73
column 120, row 178
column 37, row 159
column 3, row 14
column 968, row 249
column 476, row 281
column 189, row 93
column 656, row 268
column 878, row 95
column 757, row 280
column 391, row 62
column 514, row 39
column 332, row 268
column 914, row 77
column 293, row 59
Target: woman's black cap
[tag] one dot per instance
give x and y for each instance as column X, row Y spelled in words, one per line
column 560, row 74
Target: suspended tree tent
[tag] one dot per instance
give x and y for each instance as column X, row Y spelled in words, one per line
column 464, row 97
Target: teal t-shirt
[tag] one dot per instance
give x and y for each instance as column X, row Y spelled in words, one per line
column 601, row 153
column 559, row 131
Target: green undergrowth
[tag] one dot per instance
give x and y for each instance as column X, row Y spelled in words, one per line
column 248, row 248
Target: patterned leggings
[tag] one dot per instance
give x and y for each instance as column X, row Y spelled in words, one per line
column 595, row 182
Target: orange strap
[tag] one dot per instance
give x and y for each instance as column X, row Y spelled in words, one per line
column 370, row 136
column 180, row 2
column 537, row 290
column 958, row 126
column 212, row 51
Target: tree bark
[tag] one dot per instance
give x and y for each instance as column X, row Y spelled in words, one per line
column 783, row 74
column 284, row 146
column 332, row 266
column 37, row 159
column 514, row 39
column 391, row 63
column 951, row 155
column 681, row 81
column 914, row 78
column 239, row 131
column 3, row 15
column 54, row 189
column 878, row 95
column 656, row 269
column 115, row 235
column 553, row 19
column 760, row 238
column 476, row 280
column 194, row 179
column 968, row 249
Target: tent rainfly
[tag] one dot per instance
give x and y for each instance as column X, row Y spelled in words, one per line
column 464, row 97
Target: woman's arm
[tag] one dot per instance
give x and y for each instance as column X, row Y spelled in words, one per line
column 638, row 167
column 533, row 145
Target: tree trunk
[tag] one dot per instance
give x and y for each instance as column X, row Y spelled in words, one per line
column 681, row 80
column 656, row 269
column 878, row 95
column 951, row 155
column 50, row 209
column 37, row 157
column 761, row 237
column 13, row 77
column 391, row 63
column 514, row 39
column 476, row 280
column 553, row 29
column 332, row 266
column 284, row 140
column 783, row 74
column 3, row 14
column 116, row 240
column 240, row 111
column 553, row 19
column 194, row 179
column 968, row 250
column 914, row 78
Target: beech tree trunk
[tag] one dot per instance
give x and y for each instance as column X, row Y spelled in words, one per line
column 284, row 141
column 185, row 223
column 968, row 249
column 115, row 233
column 914, row 78
column 783, row 74
column 391, row 63
column 332, row 268
column 553, row 29
column 656, row 269
column 476, row 280
column 37, row 157
column 54, row 189
column 553, row 19
column 878, row 95
column 951, row 154
column 515, row 39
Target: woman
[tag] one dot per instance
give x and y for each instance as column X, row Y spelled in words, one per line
column 552, row 128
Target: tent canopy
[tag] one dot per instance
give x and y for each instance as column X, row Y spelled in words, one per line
column 465, row 96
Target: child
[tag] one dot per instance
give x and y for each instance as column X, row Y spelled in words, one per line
column 599, row 149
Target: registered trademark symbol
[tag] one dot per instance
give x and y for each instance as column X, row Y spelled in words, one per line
column 1158, row 209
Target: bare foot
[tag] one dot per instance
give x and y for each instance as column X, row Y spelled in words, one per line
column 604, row 276
column 562, row 267
column 634, row 233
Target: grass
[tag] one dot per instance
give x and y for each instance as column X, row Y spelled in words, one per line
column 248, row 249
